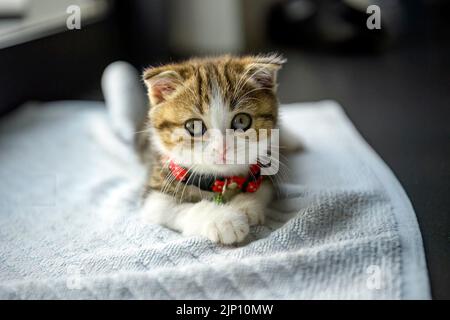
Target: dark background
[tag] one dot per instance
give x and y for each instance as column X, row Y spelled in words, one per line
column 394, row 83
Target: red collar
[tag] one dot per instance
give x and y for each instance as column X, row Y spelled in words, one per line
column 250, row 183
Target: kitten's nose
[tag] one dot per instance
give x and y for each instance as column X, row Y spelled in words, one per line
column 221, row 152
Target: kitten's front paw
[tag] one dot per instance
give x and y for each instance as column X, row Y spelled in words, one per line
column 219, row 223
column 253, row 210
column 227, row 227
column 255, row 215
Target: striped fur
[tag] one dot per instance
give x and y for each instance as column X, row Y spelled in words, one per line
column 212, row 89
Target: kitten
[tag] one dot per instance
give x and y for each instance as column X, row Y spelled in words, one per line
column 209, row 196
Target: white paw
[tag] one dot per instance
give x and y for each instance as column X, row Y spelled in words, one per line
column 253, row 209
column 255, row 215
column 219, row 223
column 227, row 227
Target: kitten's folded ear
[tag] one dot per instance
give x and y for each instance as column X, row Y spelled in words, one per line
column 263, row 70
column 161, row 83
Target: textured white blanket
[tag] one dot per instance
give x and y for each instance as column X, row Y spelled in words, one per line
column 69, row 227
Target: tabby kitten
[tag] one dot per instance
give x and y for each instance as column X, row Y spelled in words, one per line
column 208, row 196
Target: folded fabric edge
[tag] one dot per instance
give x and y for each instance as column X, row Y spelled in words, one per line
column 415, row 282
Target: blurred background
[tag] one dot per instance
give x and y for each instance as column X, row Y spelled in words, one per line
column 393, row 82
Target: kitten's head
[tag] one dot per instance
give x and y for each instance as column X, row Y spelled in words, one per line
column 193, row 103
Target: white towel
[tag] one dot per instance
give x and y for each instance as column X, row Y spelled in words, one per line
column 69, row 227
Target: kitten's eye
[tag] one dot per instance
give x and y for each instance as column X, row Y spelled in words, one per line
column 195, row 127
column 241, row 121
